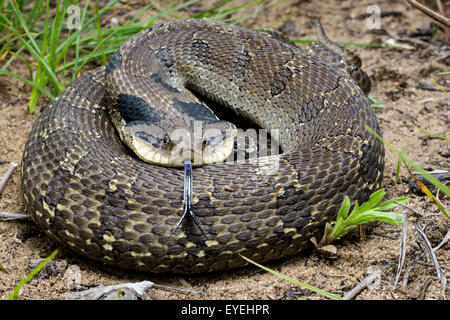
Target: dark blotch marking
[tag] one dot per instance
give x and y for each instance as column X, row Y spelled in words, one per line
column 195, row 110
column 282, row 78
column 133, row 108
column 155, row 77
column 241, row 63
column 164, row 55
column 114, row 62
column 202, row 51
column 277, row 36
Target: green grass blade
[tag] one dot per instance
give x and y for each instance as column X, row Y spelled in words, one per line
column 30, row 70
column 353, row 44
column 34, row 13
column 441, row 88
column 434, row 134
column 168, row 10
column 44, row 91
column 211, row 11
column 235, row 9
column 14, row 295
column 18, row 15
column 399, row 163
column 411, row 163
column 375, row 103
column 433, row 199
column 291, row 280
column 100, row 34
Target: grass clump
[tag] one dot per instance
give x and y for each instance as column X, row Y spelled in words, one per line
column 42, row 35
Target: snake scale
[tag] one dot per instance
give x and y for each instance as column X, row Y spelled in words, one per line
column 91, row 194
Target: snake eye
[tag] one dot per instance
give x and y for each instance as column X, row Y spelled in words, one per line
column 166, row 139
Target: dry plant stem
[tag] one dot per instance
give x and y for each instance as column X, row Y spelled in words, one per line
column 444, row 241
column 414, row 211
column 129, row 291
column 362, row 285
column 8, row 216
column 442, row 11
column 7, row 175
column 409, row 269
column 436, row 16
column 439, row 272
column 401, row 258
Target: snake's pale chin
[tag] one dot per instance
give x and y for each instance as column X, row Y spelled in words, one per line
column 177, row 153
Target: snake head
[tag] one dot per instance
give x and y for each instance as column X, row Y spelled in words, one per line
column 202, row 144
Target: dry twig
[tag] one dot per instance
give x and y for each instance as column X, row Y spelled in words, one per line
column 414, row 211
column 126, row 291
column 444, row 241
column 436, row 16
column 7, row 175
column 8, row 216
column 401, row 258
column 439, row 272
column 363, row 284
column 442, row 11
column 123, row 291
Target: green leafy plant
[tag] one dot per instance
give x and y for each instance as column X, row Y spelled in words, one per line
column 369, row 211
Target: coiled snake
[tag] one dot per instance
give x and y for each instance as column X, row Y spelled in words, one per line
column 93, row 195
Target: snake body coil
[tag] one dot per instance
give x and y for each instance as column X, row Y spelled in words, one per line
column 90, row 193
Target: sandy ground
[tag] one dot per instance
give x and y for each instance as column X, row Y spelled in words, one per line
column 402, row 81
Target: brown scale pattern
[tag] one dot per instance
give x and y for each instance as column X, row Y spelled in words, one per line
column 91, row 194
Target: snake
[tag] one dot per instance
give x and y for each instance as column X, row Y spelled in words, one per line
column 93, row 194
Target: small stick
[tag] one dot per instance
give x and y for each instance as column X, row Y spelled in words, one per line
column 363, row 284
column 416, row 213
column 124, row 291
column 444, row 241
column 442, row 11
column 409, row 269
column 8, row 216
column 7, row 175
column 436, row 16
column 401, row 258
column 439, row 272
